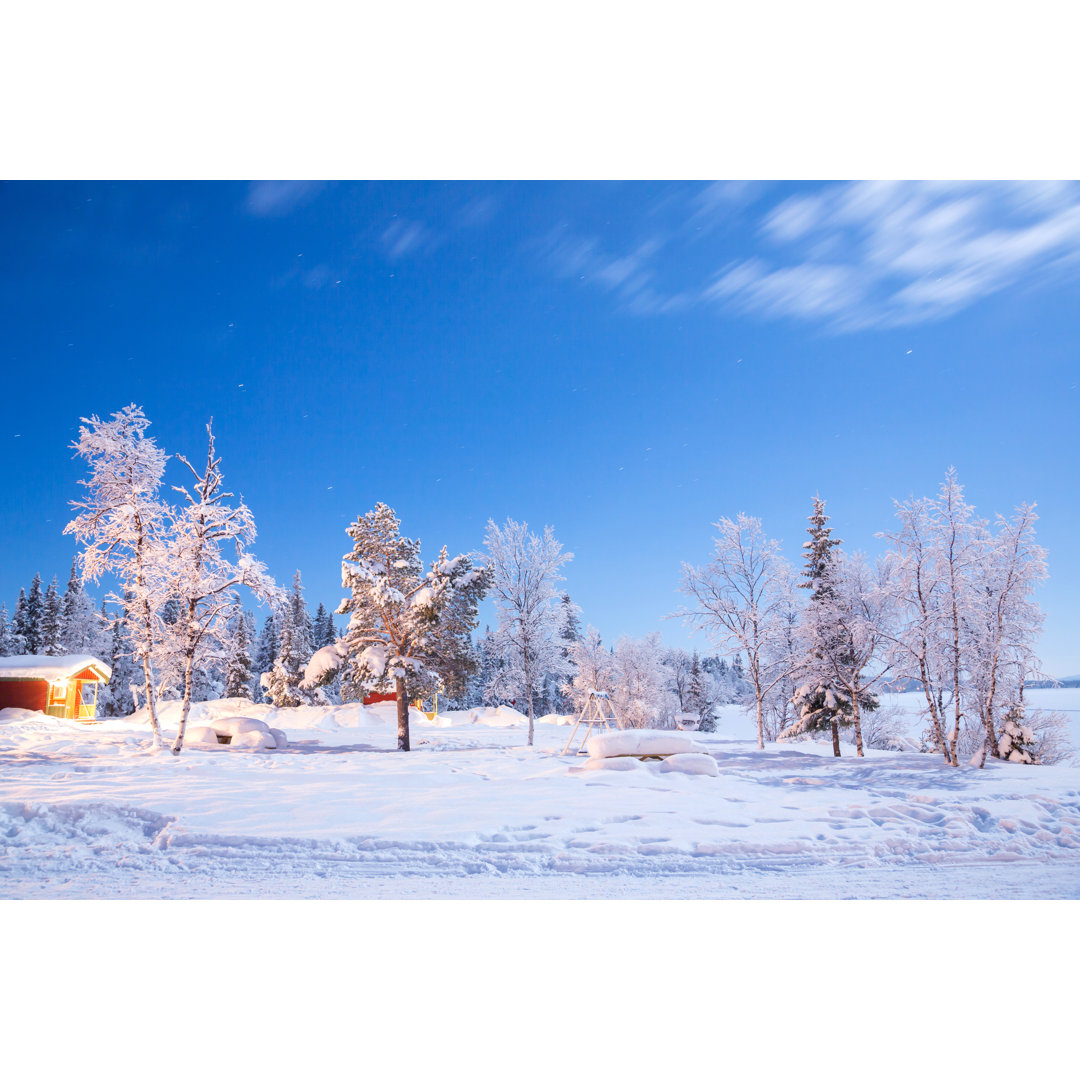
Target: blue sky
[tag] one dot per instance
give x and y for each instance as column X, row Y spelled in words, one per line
column 627, row 362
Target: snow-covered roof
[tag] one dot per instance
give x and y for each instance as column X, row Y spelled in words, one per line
column 50, row 667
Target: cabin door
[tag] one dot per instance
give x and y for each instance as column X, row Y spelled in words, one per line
column 58, row 695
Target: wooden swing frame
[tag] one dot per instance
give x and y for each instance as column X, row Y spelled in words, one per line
column 598, row 711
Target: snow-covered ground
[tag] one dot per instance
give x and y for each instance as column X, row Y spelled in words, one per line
column 90, row 811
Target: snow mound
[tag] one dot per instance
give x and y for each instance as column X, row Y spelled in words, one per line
column 692, row 764
column 244, row 732
column 614, row 764
column 255, row 740
column 201, row 736
column 239, row 725
column 640, row 741
column 556, row 718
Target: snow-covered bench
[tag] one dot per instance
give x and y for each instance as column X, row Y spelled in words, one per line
column 675, row 750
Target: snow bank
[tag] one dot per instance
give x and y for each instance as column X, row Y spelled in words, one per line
column 501, row 716
column 614, row 764
column 244, row 732
column 693, row 764
column 556, row 718
column 639, row 741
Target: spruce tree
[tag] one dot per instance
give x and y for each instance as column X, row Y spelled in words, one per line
column 7, row 643
column 266, row 649
column 821, row 702
column 33, row 609
column 238, row 666
column 125, row 672
column 323, row 631
column 283, row 680
column 50, row 621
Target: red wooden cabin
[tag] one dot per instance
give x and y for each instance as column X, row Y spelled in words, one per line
column 58, row 685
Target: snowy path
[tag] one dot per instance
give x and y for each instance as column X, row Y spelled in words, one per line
column 474, row 813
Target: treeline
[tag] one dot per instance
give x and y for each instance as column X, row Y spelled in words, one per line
column 949, row 608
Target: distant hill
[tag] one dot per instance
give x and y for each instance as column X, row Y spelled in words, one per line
column 907, row 686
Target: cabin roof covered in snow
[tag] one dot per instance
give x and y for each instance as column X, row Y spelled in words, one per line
column 50, row 667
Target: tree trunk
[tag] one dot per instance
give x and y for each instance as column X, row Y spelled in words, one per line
column 835, row 737
column 933, row 706
column 148, row 621
column 402, row 715
column 760, row 714
column 988, row 711
column 857, row 720
column 151, row 704
column 189, row 665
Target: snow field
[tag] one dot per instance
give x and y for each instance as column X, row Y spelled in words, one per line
column 473, row 812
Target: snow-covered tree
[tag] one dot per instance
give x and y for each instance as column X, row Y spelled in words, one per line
column 640, row 679
column 592, row 669
column 323, row 631
column 125, row 672
column 19, row 626
column 679, row 664
column 120, row 526
column 1005, row 620
column 846, row 629
column 407, row 629
column 958, row 536
column 50, row 620
column 29, row 613
column 6, row 636
column 238, row 663
column 525, row 576
column 266, row 650
column 739, row 598
column 282, row 682
column 208, row 561
column 918, row 643
column 82, row 630
column 1017, row 740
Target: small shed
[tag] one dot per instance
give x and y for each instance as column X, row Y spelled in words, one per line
column 58, row 685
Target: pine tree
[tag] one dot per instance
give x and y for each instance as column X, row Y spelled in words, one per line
column 81, row 628
column 282, row 682
column 266, row 649
column 20, row 626
column 33, row 610
column 125, row 672
column 7, row 637
column 50, row 621
column 238, row 666
column 323, row 631
column 408, row 629
column 820, row 701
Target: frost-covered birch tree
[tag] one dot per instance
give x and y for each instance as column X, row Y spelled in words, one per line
column 525, row 576
column 592, row 668
column 917, row 645
column 738, row 599
column 120, row 524
column 641, row 683
column 408, row 628
column 208, row 560
column 1005, row 621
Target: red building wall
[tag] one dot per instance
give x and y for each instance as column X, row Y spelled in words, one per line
column 24, row 694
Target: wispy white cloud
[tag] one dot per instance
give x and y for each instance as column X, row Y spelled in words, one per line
column 630, row 276
column 872, row 253
column 273, row 198
column 403, row 237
